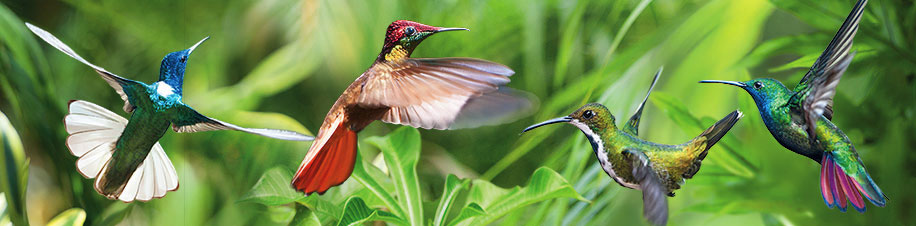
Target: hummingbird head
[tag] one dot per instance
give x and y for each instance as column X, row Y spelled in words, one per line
column 171, row 71
column 763, row 90
column 592, row 119
column 403, row 36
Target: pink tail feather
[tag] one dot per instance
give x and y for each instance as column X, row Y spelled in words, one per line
column 837, row 187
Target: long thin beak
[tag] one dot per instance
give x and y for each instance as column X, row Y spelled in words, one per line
column 738, row 84
column 451, row 29
column 552, row 121
column 198, row 44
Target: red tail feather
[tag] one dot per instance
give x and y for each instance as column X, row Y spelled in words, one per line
column 329, row 161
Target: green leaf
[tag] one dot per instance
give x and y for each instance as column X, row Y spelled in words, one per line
column 545, row 184
column 321, row 206
column 802, row 62
column 71, row 217
column 453, row 186
column 357, row 212
column 14, row 172
column 305, row 217
column 401, row 150
column 273, row 189
column 365, row 173
column 469, row 211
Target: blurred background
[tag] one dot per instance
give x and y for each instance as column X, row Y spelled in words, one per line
column 281, row 64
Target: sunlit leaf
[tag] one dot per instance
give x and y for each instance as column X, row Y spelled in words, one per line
column 356, row 212
column 469, row 211
column 401, row 149
column 14, row 173
column 273, row 189
column 71, row 217
column 544, row 184
column 453, row 186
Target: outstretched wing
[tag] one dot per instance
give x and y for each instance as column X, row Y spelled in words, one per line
column 655, row 204
column 832, row 57
column 187, row 120
column 115, row 81
column 632, row 126
column 817, row 100
column 444, row 93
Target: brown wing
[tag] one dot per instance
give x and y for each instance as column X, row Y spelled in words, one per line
column 443, row 93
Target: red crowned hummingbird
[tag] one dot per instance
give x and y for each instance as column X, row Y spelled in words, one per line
column 124, row 155
column 430, row 93
column 800, row 120
column 656, row 169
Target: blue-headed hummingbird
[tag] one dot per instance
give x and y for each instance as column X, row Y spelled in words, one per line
column 800, row 120
column 124, row 155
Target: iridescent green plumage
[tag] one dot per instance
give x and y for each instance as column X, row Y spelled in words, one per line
column 800, row 120
column 656, row 169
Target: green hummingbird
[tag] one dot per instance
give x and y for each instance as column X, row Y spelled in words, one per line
column 656, row 169
column 124, row 155
column 800, row 120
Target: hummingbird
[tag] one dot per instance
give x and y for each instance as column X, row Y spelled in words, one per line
column 655, row 169
column 124, row 155
column 429, row 93
column 800, row 120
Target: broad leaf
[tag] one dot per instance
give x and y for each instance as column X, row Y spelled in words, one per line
column 368, row 175
column 401, row 150
column 545, row 184
column 305, row 217
column 453, row 186
column 13, row 173
column 357, row 212
column 71, row 217
column 471, row 210
column 273, row 189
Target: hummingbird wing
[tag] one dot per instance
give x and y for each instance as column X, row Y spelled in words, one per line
column 444, row 93
column 655, row 202
column 818, row 99
column 113, row 80
column 632, row 126
column 187, row 120
column 94, row 131
column 833, row 55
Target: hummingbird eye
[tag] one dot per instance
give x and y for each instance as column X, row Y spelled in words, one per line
column 588, row 114
column 183, row 59
column 758, row 85
column 408, row 31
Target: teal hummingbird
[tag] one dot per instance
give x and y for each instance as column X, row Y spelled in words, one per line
column 655, row 169
column 800, row 120
column 124, row 155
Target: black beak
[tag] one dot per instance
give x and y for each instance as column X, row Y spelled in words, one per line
column 552, row 121
column 738, row 84
column 451, row 29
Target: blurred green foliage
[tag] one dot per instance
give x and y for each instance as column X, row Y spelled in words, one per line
column 295, row 57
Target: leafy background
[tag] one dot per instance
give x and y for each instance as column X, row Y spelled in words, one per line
column 281, row 64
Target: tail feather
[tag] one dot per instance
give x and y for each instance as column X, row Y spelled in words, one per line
column 837, row 186
column 717, row 131
column 94, row 131
column 709, row 138
column 329, row 161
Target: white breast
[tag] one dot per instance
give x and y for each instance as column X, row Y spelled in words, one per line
column 164, row 89
column 602, row 154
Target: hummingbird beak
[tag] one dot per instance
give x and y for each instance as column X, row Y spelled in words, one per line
column 738, row 84
column 451, row 29
column 552, row 121
column 198, row 44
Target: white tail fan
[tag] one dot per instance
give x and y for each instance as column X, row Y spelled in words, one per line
column 94, row 131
